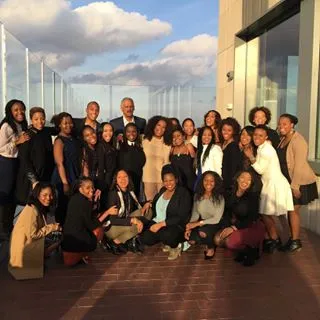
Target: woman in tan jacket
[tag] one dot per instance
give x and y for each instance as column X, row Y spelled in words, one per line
column 293, row 156
column 27, row 247
column 156, row 146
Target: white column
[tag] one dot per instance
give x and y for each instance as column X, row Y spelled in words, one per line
column 3, row 68
column 27, row 80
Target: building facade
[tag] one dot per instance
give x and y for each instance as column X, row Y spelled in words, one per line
column 268, row 55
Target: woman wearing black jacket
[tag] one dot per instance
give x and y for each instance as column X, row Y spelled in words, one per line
column 171, row 212
column 36, row 162
column 131, row 156
column 107, row 162
column 244, row 231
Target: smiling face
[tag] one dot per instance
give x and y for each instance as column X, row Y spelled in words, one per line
column 66, row 125
column 107, row 132
column 122, row 180
column 244, row 181
column 127, row 108
column 45, row 196
column 38, row 120
column 259, row 137
column 259, row 118
column 89, row 136
column 160, row 129
column 18, row 112
column 208, row 183
column 188, row 128
column 210, row 119
column 206, row 137
column 245, row 138
column 177, row 139
column 227, row 132
column 92, row 111
column 131, row 133
column 87, row 189
column 285, row 126
column 169, row 181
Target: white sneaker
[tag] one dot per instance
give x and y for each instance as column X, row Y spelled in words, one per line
column 185, row 246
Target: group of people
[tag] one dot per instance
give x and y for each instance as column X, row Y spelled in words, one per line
column 128, row 183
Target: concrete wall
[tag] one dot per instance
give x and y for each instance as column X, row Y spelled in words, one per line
column 234, row 15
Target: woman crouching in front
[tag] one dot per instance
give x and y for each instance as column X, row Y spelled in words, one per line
column 171, row 212
column 244, row 232
column 82, row 229
column 27, row 247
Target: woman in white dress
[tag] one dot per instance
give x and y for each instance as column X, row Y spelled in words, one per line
column 276, row 197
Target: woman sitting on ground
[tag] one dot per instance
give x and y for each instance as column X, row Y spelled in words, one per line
column 81, row 229
column 207, row 212
column 27, row 247
column 244, row 230
column 125, row 225
column 171, row 212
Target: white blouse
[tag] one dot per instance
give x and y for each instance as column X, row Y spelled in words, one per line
column 8, row 138
column 213, row 161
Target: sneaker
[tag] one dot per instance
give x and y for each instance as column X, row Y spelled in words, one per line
column 270, row 245
column 174, row 253
column 286, row 246
column 166, row 248
column 185, row 246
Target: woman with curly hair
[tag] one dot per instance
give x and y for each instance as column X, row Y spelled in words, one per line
column 244, row 231
column 230, row 129
column 12, row 134
column 207, row 212
column 209, row 154
column 212, row 119
column 262, row 116
column 156, row 146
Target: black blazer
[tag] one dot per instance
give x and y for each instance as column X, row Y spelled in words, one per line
column 178, row 209
column 78, row 125
column 118, row 124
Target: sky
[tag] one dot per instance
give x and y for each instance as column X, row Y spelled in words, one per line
column 128, row 42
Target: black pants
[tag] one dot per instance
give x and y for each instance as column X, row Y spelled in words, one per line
column 209, row 230
column 8, row 170
column 170, row 236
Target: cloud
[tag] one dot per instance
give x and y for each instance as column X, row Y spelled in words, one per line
column 66, row 36
column 184, row 61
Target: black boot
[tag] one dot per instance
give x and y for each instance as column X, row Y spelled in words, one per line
column 109, row 245
column 134, row 245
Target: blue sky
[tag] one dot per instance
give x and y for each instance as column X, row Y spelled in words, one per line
column 133, row 42
column 187, row 17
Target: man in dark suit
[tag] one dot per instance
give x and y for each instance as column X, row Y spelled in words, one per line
column 127, row 108
column 92, row 111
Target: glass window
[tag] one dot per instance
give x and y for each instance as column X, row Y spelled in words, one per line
column 16, row 69
column 34, row 80
column 48, row 83
column 57, row 93
column 272, row 69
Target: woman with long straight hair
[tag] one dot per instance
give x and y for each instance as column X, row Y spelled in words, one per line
column 12, row 134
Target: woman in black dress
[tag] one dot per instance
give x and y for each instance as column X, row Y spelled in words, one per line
column 181, row 158
column 293, row 156
column 107, row 161
column 66, row 151
column 230, row 130
column 36, row 161
column 131, row 157
column 82, row 229
column 262, row 116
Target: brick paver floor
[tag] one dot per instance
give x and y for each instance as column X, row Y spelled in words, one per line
column 280, row 286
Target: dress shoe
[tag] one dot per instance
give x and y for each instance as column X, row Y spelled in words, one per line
column 270, row 245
